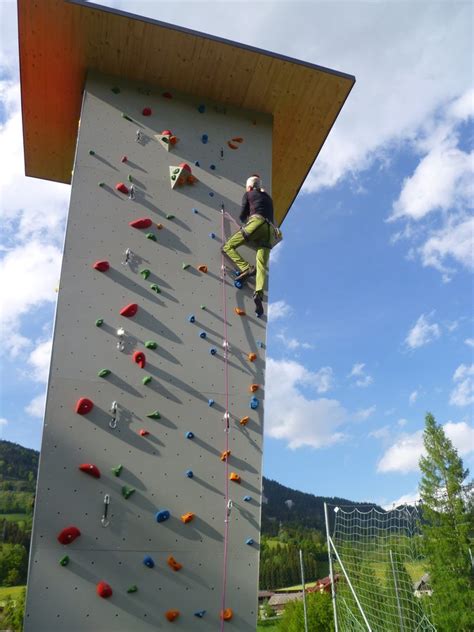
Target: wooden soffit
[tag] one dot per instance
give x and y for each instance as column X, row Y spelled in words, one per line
column 60, row 40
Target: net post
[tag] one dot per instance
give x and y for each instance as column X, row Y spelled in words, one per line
column 331, row 571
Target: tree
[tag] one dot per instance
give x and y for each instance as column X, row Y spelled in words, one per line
column 446, row 525
column 13, row 612
column 319, row 610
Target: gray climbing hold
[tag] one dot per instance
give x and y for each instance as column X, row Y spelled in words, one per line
column 146, row 380
column 189, row 473
column 117, row 470
column 145, row 273
column 104, row 372
column 99, row 322
column 162, row 515
column 189, row 435
column 127, row 491
column 149, row 561
column 154, row 415
column 151, row 344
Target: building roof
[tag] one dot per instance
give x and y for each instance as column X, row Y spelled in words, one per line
column 282, row 599
column 60, row 40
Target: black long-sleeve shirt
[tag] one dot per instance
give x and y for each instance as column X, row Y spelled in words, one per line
column 256, row 202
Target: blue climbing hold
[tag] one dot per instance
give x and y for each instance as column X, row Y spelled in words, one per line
column 162, row 515
column 211, row 193
column 189, row 435
column 249, row 541
column 196, row 163
column 200, row 613
column 210, row 402
column 201, row 108
column 149, row 561
column 202, row 334
column 254, row 403
column 189, row 473
column 247, row 498
column 192, row 318
column 238, row 284
column 213, row 167
column 204, row 138
column 212, row 235
column 195, row 211
column 213, row 351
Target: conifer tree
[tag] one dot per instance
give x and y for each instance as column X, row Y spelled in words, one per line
column 446, row 526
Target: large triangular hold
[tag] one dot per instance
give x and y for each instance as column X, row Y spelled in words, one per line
column 181, row 174
column 166, row 139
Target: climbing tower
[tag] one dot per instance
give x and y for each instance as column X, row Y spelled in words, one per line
column 149, row 490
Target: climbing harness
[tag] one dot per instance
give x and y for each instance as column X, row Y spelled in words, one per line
column 105, row 520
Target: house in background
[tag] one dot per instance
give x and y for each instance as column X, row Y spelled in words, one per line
column 422, row 588
column 280, row 601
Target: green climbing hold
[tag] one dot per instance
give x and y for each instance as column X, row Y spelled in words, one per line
column 185, row 266
column 154, row 415
column 127, row 491
column 176, row 171
column 130, row 179
column 127, row 118
column 169, row 216
column 173, row 177
column 99, row 322
column 132, row 589
column 145, row 273
column 203, row 307
column 115, row 90
column 146, row 380
column 102, row 184
column 151, row 236
column 155, row 288
column 91, row 152
column 104, row 372
column 117, row 470
column 64, row 561
column 151, row 344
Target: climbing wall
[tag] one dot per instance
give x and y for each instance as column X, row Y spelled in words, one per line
column 153, row 346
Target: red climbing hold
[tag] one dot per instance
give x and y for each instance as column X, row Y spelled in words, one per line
column 104, row 590
column 139, row 358
column 171, row 615
column 202, row 268
column 84, row 405
column 129, row 310
column 142, row 222
column 90, row 468
column 167, row 95
column 122, row 188
column 146, row 111
column 68, row 535
column 124, row 158
column 102, row 266
column 184, row 166
column 167, row 132
column 143, row 433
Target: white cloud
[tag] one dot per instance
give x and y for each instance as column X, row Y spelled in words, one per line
column 404, row 454
column 463, row 392
column 402, row 422
column 292, row 343
column 406, row 499
column 422, row 333
column 413, row 397
column 36, row 407
column 291, row 415
column 380, row 433
column 453, row 242
column 278, row 310
column 323, row 380
column 275, row 253
column 3, row 424
column 469, row 342
column 365, row 413
column 39, row 361
column 362, row 378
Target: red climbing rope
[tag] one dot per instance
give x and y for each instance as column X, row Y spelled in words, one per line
column 226, row 419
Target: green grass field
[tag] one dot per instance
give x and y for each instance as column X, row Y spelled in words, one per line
column 268, row 628
column 18, row 517
column 13, row 591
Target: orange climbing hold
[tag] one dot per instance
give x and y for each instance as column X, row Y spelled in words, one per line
column 191, row 179
column 239, row 311
column 159, row 226
column 231, row 145
column 253, row 388
column 187, row 517
column 225, row 455
column 252, row 357
column 202, row 268
column 244, row 421
column 176, row 566
column 227, row 614
column 171, row 615
column 234, row 477
column 238, row 139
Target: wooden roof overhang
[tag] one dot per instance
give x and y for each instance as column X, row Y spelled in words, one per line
column 60, row 40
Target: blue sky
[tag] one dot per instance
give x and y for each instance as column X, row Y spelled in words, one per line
column 370, row 315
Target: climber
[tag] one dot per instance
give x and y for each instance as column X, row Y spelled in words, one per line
column 258, row 231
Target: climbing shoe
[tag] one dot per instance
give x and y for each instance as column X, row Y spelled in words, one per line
column 257, row 298
column 249, row 272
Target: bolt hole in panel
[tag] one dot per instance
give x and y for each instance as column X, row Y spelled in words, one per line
column 184, row 376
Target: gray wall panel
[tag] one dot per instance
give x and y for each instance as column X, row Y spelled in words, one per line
column 184, row 376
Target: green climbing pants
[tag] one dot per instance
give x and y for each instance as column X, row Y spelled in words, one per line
column 255, row 233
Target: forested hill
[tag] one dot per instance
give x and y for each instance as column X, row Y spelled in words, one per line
column 286, row 506
column 18, row 467
column 282, row 505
